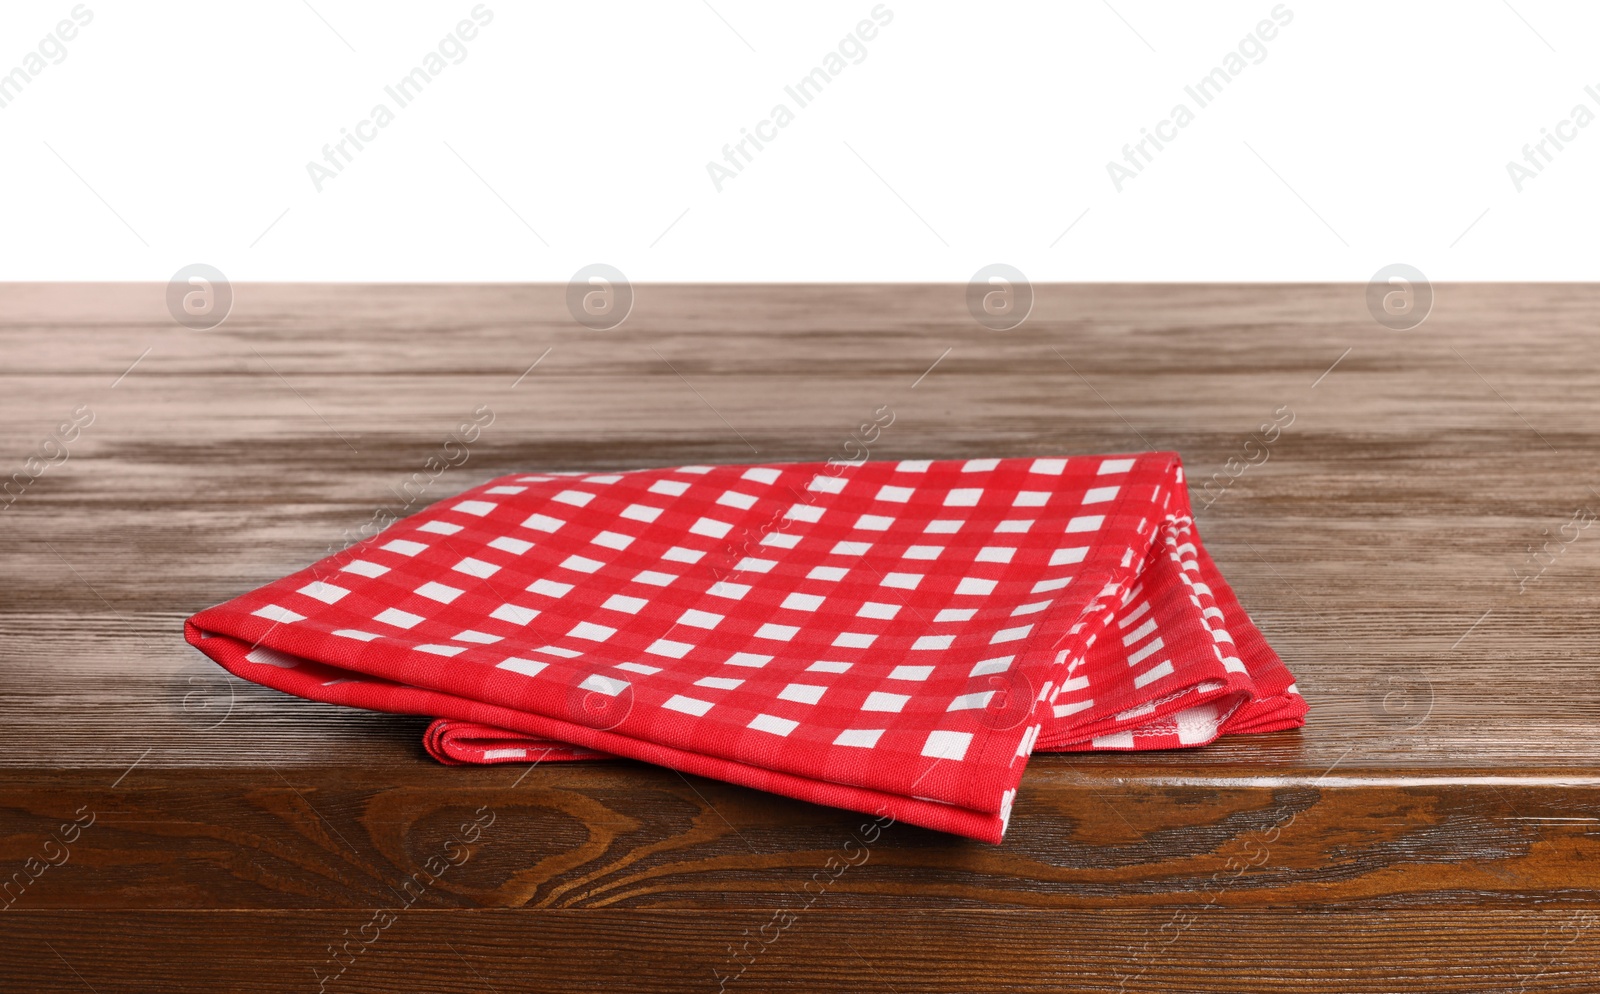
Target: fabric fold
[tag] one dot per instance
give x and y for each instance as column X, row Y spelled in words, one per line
column 888, row 637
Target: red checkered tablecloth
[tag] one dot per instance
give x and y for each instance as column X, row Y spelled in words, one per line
column 890, row 637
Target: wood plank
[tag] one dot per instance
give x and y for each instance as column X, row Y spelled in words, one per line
column 1215, row 951
column 634, row 836
column 1433, row 826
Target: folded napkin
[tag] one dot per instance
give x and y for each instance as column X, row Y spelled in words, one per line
column 889, row 637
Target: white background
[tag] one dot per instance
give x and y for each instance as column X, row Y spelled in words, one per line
column 1372, row 133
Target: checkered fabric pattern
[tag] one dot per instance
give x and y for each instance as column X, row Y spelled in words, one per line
column 889, row 637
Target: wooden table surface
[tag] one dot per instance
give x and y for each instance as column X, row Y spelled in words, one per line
column 1434, row 827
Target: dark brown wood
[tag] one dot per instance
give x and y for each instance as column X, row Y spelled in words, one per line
column 955, row 951
column 1436, row 826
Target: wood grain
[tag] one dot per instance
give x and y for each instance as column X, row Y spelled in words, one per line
column 1436, row 820
column 1219, row 951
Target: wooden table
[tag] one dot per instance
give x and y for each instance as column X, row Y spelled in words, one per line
column 1435, row 827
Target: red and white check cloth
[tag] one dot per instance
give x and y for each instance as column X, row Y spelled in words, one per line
column 889, row 637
